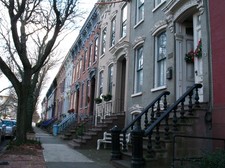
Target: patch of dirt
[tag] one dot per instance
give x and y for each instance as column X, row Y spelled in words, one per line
column 25, row 149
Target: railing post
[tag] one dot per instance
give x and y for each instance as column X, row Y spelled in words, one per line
column 137, row 147
column 116, row 153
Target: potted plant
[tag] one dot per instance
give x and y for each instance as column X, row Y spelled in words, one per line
column 107, row 97
column 98, row 100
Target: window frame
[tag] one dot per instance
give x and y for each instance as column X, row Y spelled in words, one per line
column 87, row 92
column 110, row 78
column 113, row 32
column 82, row 96
column 139, row 11
column 95, row 57
column 158, row 4
column 100, row 83
column 138, row 77
column 103, row 47
column 160, row 61
column 90, row 55
column 124, row 21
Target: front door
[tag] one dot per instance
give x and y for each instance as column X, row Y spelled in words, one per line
column 121, row 85
column 184, row 46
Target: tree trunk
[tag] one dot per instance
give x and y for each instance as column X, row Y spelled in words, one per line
column 21, row 120
column 25, row 104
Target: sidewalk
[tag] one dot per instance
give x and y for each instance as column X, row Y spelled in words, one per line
column 57, row 154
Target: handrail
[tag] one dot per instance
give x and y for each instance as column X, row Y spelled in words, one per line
column 145, row 110
column 66, row 122
column 172, row 107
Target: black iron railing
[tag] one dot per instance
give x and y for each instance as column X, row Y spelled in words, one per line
column 150, row 113
column 186, row 97
column 153, row 116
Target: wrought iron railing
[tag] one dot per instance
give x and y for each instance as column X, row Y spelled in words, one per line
column 150, row 113
column 153, row 116
column 164, row 116
column 66, row 122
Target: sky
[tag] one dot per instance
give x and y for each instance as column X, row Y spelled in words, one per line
column 86, row 5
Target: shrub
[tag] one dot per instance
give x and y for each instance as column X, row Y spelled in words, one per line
column 213, row 160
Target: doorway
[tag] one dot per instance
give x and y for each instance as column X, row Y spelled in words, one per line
column 188, row 33
column 121, row 85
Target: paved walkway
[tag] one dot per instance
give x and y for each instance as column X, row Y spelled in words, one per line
column 58, row 154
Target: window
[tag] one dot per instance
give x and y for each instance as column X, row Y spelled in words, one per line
column 96, row 50
column 138, row 70
column 110, row 79
column 160, row 55
column 103, row 40
column 113, row 31
column 90, row 55
column 157, row 2
column 82, row 95
column 85, row 59
column 87, row 92
column 124, row 21
column 140, row 10
column 77, row 71
column 100, row 83
column 80, row 64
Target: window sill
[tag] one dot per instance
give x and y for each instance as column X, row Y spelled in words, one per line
column 121, row 38
column 102, row 55
column 94, row 63
column 111, row 47
column 158, row 88
column 136, row 94
column 140, row 22
column 158, row 6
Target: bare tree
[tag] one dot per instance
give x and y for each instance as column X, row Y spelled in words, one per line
column 34, row 27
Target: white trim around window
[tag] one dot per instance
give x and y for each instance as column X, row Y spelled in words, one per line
column 160, row 60
column 157, row 4
column 138, row 76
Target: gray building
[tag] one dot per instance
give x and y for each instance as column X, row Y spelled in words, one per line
column 164, row 35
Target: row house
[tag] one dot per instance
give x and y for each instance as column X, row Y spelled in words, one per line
column 113, row 58
column 48, row 103
column 163, row 36
column 60, row 80
column 85, row 61
column 135, row 51
column 76, row 79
